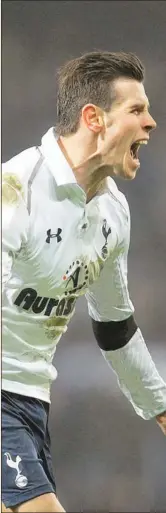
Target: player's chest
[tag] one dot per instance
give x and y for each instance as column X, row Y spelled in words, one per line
column 68, row 244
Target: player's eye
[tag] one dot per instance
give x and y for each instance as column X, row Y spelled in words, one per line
column 136, row 111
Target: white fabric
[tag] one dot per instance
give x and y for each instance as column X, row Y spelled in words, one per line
column 84, row 251
column 138, row 377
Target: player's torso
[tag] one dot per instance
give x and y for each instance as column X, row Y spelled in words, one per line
column 67, row 244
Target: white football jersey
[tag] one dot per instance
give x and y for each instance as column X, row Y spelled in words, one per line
column 56, row 247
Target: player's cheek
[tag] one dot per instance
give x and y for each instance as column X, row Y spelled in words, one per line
column 129, row 126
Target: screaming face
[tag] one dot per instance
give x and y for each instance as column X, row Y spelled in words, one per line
column 126, row 127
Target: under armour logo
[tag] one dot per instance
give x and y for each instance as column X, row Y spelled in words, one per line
column 106, row 233
column 21, row 481
column 52, row 235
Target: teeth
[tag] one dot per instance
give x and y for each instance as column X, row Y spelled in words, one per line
column 135, row 147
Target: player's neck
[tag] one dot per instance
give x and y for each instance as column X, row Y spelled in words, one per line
column 85, row 163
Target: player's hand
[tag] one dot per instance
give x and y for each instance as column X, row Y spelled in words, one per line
column 161, row 421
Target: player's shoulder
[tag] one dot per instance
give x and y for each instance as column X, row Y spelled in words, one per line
column 117, row 194
column 21, row 166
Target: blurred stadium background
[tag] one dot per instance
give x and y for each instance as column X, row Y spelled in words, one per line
column 106, row 458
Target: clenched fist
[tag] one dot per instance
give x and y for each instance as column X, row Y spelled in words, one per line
column 161, row 421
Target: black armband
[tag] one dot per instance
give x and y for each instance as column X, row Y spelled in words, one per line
column 113, row 335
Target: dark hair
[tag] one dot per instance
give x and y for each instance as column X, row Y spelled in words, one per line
column 90, row 79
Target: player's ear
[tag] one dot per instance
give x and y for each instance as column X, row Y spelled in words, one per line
column 92, row 117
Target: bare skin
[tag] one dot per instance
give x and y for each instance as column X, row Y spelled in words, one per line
column 5, row 510
column 101, row 145
column 46, row 503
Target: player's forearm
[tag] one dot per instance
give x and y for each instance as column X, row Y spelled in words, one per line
column 137, row 375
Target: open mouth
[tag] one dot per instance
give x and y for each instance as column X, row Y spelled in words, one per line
column 134, row 148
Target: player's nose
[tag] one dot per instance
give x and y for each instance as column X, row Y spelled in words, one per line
column 150, row 123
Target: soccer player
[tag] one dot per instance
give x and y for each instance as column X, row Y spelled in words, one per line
column 66, row 231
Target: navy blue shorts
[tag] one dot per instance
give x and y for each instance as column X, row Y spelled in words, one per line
column 27, row 470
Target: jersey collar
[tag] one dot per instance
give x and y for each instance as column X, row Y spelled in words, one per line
column 55, row 159
column 59, row 166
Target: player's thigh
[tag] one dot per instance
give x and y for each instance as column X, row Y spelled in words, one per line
column 4, row 509
column 23, row 475
column 47, row 503
column 46, row 458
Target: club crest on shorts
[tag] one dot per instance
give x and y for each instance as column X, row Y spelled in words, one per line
column 20, row 480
